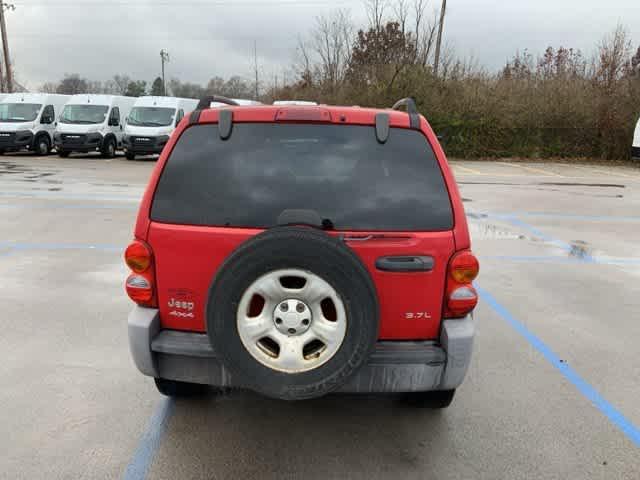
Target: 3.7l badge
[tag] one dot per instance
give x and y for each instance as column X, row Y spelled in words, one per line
column 416, row 315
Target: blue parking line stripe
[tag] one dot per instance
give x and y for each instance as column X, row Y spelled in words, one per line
column 575, row 216
column 560, row 215
column 139, row 466
column 516, row 222
column 72, row 196
column 608, row 410
column 556, row 259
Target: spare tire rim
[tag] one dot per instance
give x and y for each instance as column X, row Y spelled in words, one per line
column 291, row 320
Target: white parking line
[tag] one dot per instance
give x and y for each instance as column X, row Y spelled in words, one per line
column 546, row 173
column 472, row 171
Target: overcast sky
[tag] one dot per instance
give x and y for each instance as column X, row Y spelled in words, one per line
column 99, row 38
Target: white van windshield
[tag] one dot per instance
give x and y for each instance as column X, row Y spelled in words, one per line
column 84, row 114
column 19, row 112
column 151, row 116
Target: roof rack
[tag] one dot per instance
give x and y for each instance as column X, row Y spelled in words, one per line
column 205, row 102
column 410, row 105
column 408, row 102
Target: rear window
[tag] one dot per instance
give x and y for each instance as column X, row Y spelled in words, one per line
column 339, row 171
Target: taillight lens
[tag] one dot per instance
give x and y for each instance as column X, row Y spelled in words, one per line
column 140, row 284
column 139, row 289
column 461, row 297
column 138, row 256
column 464, row 267
column 462, row 300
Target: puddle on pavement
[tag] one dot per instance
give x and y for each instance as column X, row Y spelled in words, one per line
column 575, row 184
column 490, row 231
column 29, row 174
column 547, row 187
column 110, row 184
column 556, row 184
column 581, row 194
column 580, row 249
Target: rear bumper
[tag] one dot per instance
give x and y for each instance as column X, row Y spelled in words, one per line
column 393, row 366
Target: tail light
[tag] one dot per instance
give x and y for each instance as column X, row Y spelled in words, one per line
column 461, row 298
column 140, row 284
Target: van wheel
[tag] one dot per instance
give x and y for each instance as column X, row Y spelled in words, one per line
column 63, row 153
column 436, row 399
column 43, row 145
column 109, row 148
column 173, row 388
column 130, row 156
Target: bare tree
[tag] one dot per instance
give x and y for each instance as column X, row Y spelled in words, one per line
column 331, row 41
column 95, row 86
column 613, row 57
column 49, row 87
column 121, row 83
column 425, row 31
column 401, row 11
column 73, row 84
column 303, row 63
column 375, row 12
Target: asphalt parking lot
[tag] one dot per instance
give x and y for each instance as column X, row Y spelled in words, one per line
column 552, row 393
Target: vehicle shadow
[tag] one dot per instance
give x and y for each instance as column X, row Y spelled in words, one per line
column 243, row 435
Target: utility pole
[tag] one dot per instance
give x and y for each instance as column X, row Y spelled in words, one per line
column 164, row 57
column 436, row 63
column 5, row 45
column 2, row 83
column 255, row 66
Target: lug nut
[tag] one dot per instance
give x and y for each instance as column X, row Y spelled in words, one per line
column 278, row 321
column 284, row 307
column 300, row 307
column 292, row 331
column 305, row 321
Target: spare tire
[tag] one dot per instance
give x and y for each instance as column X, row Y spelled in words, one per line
column 292, row 313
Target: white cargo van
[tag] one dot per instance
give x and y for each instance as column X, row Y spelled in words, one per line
column 91, row 123
column 151, row 121
column 28, row 120
column 635, row 148
column 239, row 101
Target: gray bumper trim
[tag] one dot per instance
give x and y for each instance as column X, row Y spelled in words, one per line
column 457, row 340
column 393, row 366
column 144, row 324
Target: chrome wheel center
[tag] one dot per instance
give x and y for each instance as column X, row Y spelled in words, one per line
column 292, row 317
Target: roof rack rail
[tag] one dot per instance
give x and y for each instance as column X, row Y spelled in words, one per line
column 205, row 102
column 410, row 105
column 408, row 102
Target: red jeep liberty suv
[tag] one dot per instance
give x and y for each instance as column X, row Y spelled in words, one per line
column 301, row 250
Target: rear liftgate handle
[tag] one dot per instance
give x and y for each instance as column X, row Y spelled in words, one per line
column 420, row 263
